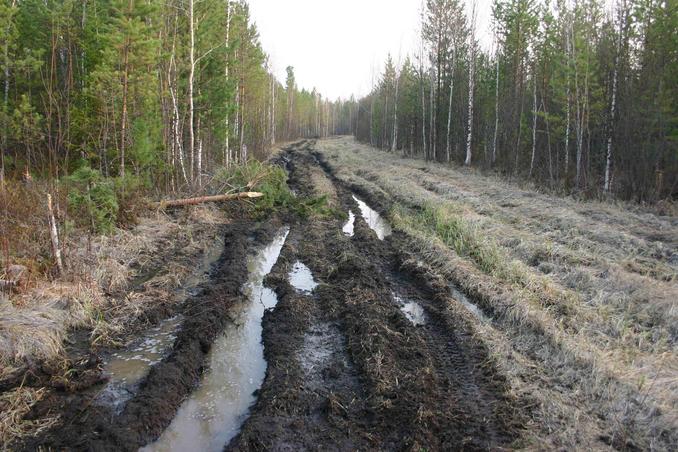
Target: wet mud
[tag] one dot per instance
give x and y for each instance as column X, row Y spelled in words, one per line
column 364, row 349
column 378, row 356
column 86, row 425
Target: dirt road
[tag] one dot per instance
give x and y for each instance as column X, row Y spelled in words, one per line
column 395, row 325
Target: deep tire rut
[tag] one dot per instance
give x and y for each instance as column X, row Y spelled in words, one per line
column 362, row 376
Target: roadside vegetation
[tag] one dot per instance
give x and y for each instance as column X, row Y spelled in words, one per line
column 574, row 97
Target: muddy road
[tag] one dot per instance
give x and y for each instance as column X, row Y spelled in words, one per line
column 371, row 327
column 308, row 334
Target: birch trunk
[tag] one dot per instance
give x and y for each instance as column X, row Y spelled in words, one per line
column 471, row 84
column 54, row 235
column 449, row 107
column 227, row 148
column 432, row 127
column 191, row 76
column 423, row 112
column 567, row 108
column 125, row 89
column 613, row 104
column 471, row 89
column 394, row 144
column 5, row 104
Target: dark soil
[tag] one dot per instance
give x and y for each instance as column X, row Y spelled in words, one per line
column 85, row 425
column 346, row 370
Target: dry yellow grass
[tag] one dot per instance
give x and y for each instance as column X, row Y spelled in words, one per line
column 111, row 281
column 14, row 405
column 583, row 295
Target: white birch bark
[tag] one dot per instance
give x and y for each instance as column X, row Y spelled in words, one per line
column 227, row 147
column 54, row 235
column 449, row 107
column 567, row 108
column 394, row 143
column 613, row 104
column 191, row 76
column 471, row 84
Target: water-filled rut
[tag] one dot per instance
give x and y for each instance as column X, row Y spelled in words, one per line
column 214, row 412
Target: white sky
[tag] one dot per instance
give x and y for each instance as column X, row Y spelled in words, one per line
column 337, row 45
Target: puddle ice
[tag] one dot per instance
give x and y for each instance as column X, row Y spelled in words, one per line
column 375, row 221
column 301, row 278
column 348, row 227
column 215, row 411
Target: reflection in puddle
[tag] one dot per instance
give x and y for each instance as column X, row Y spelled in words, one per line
column 126, row 368
column 301, row 278
column 473, row 308
column 412, row 310
column 348, row 227
column 375, row 221
column 215, row 411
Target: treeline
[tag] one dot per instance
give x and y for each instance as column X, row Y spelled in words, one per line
column 574, row 95
column 159, row 90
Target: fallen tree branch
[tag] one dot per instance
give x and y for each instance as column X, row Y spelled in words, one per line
column 203, row 199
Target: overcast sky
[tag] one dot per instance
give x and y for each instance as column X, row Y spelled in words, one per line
column 337, row 45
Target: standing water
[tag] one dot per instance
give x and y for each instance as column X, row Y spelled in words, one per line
column 348, row 227
column 471, row 307
column 412, row 310
column 216, row 410
column 127, row 368
column 301, row 278
column 375, row 221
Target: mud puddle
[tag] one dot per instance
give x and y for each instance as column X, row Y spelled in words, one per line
column 375, row 221
column 412, row 310
column 301, row 278
column 348, row 227
column 470, row 306
column 215, row 411
column 127, row 368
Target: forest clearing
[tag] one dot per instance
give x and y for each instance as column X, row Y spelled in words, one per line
column 422, row 225
column 422, row 307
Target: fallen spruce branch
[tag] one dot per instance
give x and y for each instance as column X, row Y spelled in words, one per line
column 203, row 199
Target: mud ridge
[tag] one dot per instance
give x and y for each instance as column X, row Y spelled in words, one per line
column 380, row 381
column 86, row 425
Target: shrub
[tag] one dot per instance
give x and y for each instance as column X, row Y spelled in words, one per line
column 92, row 200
